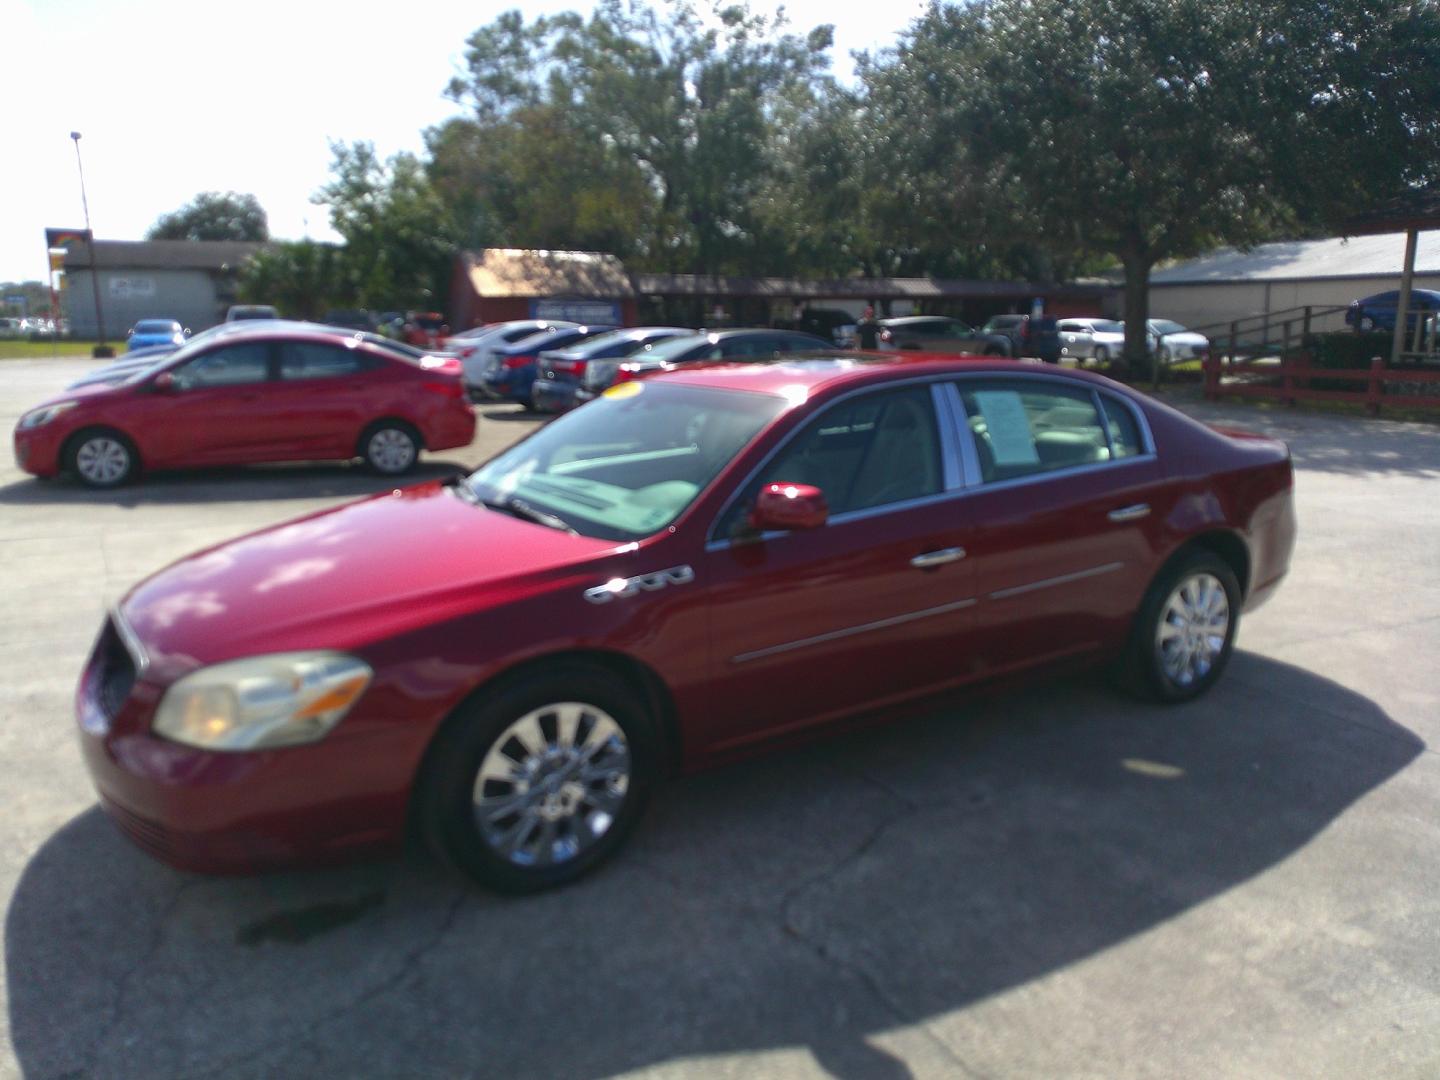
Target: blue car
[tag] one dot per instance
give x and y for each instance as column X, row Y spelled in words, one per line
column 511, row 370
column 559, row 372
column 150, row 332
column 1378, row 312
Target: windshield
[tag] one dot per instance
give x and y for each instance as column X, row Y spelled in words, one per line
column 676, row 347
column 628, row 463
column 1165, row 326
column 1108, row 326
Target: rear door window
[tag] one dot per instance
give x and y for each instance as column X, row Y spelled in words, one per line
column 1028, row 427
column 229, row 365
column 314, row 360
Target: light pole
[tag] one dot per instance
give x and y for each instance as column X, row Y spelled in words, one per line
column 101, row 349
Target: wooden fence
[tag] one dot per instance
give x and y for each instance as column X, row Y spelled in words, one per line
column 1290, row 381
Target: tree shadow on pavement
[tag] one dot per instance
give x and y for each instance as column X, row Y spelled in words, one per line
column 811, row 901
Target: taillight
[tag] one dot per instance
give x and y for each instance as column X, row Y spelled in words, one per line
column 446, row 387
column 625, row 373
column 566, row 365
column 513, row 362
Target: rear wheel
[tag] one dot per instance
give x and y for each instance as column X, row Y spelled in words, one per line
column 102, row 458
column 1102, row 354
column 390, row 448
column 538, row 783
column 1185, row 631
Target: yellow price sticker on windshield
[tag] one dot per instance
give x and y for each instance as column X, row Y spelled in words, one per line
column 624, row 390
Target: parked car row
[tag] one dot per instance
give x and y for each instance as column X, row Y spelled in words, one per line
column 1101, row 340
column 33, row 328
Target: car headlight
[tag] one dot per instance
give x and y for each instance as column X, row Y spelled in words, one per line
column 37, row 417
column 262, row 702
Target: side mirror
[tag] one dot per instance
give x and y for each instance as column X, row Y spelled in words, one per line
column 165, row 383
column 788, row 507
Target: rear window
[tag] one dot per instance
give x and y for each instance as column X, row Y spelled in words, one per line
column 156, row 326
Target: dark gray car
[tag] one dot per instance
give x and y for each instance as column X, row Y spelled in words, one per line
column 940, row 334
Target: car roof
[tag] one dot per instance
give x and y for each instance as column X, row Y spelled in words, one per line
column 817, row 374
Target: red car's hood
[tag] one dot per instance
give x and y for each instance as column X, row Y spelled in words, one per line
column 349, row 576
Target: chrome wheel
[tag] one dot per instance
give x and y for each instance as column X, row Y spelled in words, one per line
column 102, row 461
column 390, row 450
column 552, row 784
column 1193, row 628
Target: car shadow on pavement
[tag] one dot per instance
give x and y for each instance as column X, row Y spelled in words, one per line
column 230, row 484
column 515, row 415
column 823, row 900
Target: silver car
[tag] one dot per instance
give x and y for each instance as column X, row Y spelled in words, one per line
column 1087, row 338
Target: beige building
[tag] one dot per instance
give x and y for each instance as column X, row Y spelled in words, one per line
column 1282, row 278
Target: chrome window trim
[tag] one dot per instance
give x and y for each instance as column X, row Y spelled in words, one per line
column 715, row 543
column 950, row 451
column 1103, row 420
column 851, row 631
column 967, row 438
column 1063, row 579
column 969, row 455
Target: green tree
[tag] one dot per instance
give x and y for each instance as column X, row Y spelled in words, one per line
column 1154, row 129
column 213, row 215
column 301, row 278
column 398, row 250
column 679, row 108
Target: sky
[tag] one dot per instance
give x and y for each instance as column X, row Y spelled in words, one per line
column 174, row 97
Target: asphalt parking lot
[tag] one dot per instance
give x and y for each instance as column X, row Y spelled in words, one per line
column 1049, row 881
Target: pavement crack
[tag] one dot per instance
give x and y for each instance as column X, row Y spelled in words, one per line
column 856, row 970
column 122, row 984
column 306, row 1035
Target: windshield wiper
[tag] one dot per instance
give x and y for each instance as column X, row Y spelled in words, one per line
column 521, row 509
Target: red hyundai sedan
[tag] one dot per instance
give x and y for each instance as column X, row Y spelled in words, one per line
column 687, row 570
column 298, row 393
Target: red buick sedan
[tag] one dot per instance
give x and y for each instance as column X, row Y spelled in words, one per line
column 296, row 393
column 682, row 572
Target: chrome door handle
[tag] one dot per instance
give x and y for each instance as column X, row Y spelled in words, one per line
column 1130, row 513
column 937, row 558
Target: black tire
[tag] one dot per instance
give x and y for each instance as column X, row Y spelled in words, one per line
column 101, row 458
column 994, row 350
column 445, row 806
column 1102, row 354
column 1144, row 670
column 390, row 447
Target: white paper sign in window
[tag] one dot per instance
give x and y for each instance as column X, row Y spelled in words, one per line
column 1008, row 427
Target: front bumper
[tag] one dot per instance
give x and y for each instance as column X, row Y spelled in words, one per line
column 230, row 813
column 37, row 450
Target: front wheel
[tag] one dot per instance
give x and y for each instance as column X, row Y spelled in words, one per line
column 1185, row 631
column 102, row 459
column 540, row 782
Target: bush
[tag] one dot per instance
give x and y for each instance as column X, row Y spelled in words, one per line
column 1344, row 350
